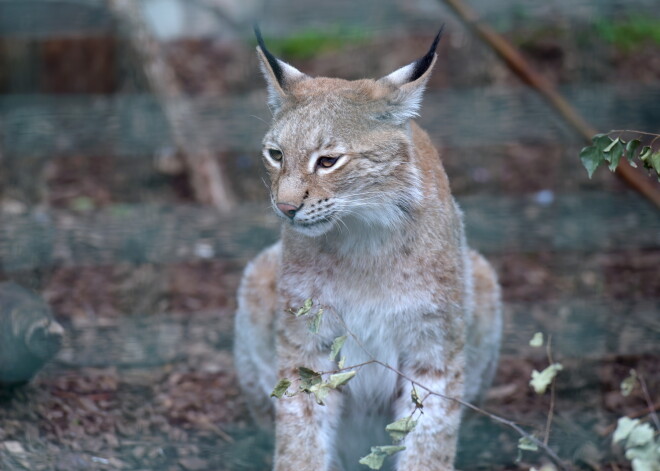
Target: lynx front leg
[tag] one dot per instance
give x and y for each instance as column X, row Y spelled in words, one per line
column 431, row 446
column 304, row 429
column 304, row 433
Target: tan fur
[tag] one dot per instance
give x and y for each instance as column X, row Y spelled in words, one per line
column 379, row 242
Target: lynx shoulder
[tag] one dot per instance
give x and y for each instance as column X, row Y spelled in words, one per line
column 371, row 232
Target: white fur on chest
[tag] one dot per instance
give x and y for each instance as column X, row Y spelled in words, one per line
column 381, row 314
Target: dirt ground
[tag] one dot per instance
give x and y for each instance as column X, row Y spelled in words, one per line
column 179, row 407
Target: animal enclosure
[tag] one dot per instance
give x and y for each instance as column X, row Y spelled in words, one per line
column 131, row 197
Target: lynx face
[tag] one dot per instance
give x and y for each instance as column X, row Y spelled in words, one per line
column 332, row 162
column 339, row 153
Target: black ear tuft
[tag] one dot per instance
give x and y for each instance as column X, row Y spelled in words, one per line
column 272, row 60
column 422, row 65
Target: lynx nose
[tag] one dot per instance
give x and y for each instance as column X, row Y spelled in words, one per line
column 288, row 210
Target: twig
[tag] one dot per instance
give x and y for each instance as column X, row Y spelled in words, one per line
column 368, row 362
column 551, row 412
column 546, row 449
column 632, row 131
column 649, row 402
column 651, row 408
column 519, row 66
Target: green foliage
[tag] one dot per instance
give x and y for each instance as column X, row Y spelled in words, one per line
column 628, row 384
column 280, row 388
column 415, row 399
column 304, row 309
column 537, row 340
column 82, row 204
column 541, row 380
column 339, row 379
column 401, row 428
column 310, row 42
column 376, row 458
column 311, row 382
column 526, row 444
column 398, row 430
column 308, row 378
column 630, row 33
column 337, row 344
column 314, row 323
column 638, row 440
column 604, row 149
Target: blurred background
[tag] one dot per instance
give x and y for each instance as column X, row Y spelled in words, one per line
column 132, row 195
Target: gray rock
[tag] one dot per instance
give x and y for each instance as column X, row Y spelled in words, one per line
column 29, row 335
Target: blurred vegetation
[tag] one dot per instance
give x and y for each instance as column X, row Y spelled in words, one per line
column 310, row 42
column 626, row 34
column 629, row 33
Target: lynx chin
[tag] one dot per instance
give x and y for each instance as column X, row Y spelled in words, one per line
column 371, row 231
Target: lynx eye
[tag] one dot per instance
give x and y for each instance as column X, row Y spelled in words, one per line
column 275, row 154
column 326, row 162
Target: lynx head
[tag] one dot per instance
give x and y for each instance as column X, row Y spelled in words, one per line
column 339, row 152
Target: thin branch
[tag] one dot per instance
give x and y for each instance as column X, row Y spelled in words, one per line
column 649, row 402
column 653, row 141
column 551, row 412
column 368, row 362
column 634, row 415
column 546, row 449
column 631, row 131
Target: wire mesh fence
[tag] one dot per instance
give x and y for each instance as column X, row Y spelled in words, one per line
column 98, row 218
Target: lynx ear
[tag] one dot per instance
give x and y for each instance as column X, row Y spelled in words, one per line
column 410, row 81
column 279, row 75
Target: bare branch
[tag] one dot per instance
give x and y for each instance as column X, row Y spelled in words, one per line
column 551, row 411
column 541, row 445
column 649, row 402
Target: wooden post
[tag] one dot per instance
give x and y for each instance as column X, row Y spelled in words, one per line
column 206, row 177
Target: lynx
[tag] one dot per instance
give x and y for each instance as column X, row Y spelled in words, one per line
column 371, row 232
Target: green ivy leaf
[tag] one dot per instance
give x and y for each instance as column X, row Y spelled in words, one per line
column 591, row 158
column 623, row 428
column 280, row 388
column 602, row 141
column 537, row 340
column 628, row 384
column 655, row 162
column 314, row 325
column 541, row 381
column 645, row 156
column 613, row 153
column 339, row 379
column 401, row 428
column 526, row 444
column 415, row 398
column 646, row 458
column 376, row 458
column 337, row 344
column 341, row 363
column 306, row 307
column 631, row 148
column 640, row 436
column 320, row 391
column 611, row 145
column 308, row 378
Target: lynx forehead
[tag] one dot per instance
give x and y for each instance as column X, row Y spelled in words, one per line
column 371, row 232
